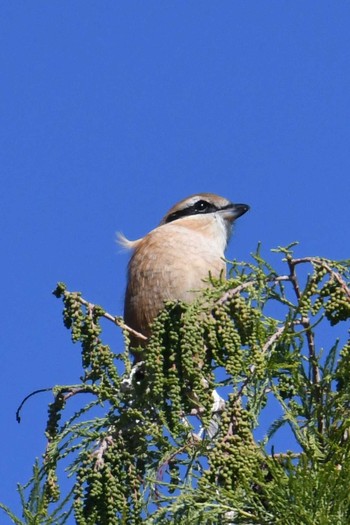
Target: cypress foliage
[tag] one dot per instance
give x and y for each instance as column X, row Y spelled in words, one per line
column 160, row 452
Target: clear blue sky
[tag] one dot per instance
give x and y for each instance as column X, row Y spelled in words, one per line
column 112, row 111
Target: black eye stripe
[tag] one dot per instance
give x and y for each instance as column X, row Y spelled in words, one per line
column 200, row 206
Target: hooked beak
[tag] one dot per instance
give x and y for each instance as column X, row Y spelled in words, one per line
column 231, row 212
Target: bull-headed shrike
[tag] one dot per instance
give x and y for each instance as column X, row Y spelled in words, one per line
column 173, row 261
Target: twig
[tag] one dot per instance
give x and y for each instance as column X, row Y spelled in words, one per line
column 280, row 456
column 99, row 452
column 305, row 322
column 230, row 293
column 193, row 441
column 124, row 326
column 115, row 319
column 18, row 417
column 280, row 278
column 70, row 392
column 320, row 262
column 273, row 338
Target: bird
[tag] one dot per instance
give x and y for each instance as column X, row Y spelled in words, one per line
column 174, row 260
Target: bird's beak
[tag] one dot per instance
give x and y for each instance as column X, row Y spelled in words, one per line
column 231, row 212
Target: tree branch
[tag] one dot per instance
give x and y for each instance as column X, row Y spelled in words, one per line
column 305, row 322
column 115, row 319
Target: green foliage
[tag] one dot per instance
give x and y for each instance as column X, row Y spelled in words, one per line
column 35, row 507
column 148, row 448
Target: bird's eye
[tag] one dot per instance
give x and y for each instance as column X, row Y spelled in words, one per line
column 198, row 207
column 201, row 206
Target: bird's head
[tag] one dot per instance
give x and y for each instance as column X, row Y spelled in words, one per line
column 198, row 211
column 205, row 206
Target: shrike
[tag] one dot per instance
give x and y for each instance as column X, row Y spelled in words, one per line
column 172, row 261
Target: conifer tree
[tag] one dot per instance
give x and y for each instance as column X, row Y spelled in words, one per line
column 174, row 439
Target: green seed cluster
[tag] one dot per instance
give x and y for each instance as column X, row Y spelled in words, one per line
column 108, row 494
column 193, row 363
column 326, row 289
column 286, row 386
column 244, row 318
column 52, row 490
column 165, row 335
column 337, row 307
column 224, row 341
column 54, row 416
column 235, row 456
column 252, row 328
column 306, row 301
column 97, row 358
column 343, row 371
column 176, row 363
